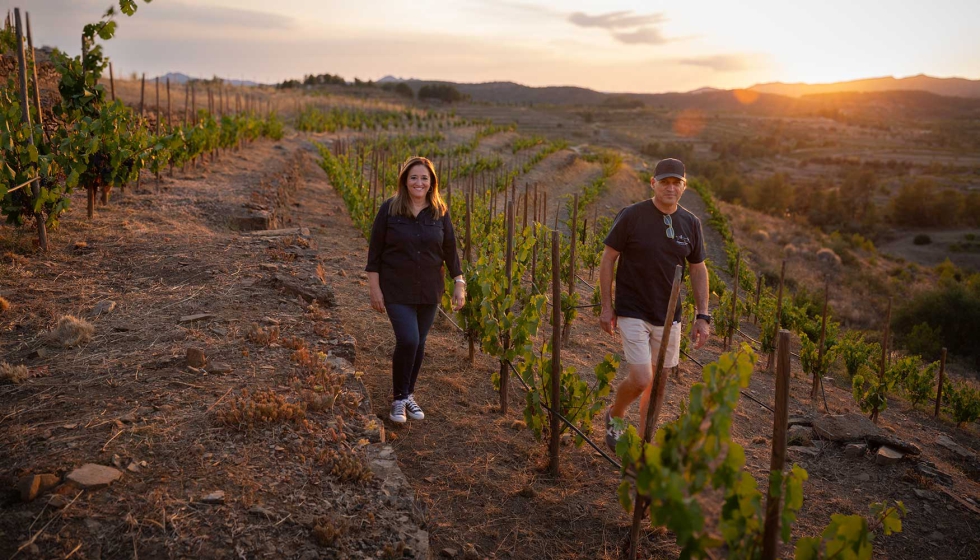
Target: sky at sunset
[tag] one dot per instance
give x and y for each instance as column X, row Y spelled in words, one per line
column 614, row 46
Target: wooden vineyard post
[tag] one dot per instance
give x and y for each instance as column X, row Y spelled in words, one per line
column 817, row 381
column 884, row 356
column 779, row 309
column 469, row 260
column 509, row 269
column 731, row 336
column 105, row 193
column 555, row 353
column 758, row 295
column 567, row 327
column 526, row 200
column 640, row 503
column 25, row 114
column 112, row 84
column 37, row 84
column 942, row 377
column 142, row 93
column 777, row 461
column 158, row 105
column 170, row 123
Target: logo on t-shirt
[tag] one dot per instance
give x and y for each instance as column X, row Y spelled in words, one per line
column 682, row 239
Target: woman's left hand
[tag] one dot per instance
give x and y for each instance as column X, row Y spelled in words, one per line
column 459, row 296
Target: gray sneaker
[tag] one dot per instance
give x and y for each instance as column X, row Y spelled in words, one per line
column 612, row 432
column 413, row 408
column 397, row 414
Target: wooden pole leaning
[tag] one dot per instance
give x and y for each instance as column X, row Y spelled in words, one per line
column 555, row 353
column 509, row 268
column 780, row 426
column 25, row 113
column 640, row 503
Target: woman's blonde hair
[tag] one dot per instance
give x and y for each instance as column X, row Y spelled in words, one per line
column 401, row 202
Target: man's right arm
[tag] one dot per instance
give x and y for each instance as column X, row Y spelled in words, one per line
column 607, row 319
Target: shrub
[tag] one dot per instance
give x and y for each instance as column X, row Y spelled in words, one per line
column 71, row 331
column 962, row 401
column 950, row 308
column 440, row 92
column 922, row 239
column 925, row 341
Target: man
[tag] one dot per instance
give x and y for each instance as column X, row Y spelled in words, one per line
column 650, row 239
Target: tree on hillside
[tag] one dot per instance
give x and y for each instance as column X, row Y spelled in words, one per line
column 857, row 194
column 774, row 194
column 401, row 88
column 441, row 92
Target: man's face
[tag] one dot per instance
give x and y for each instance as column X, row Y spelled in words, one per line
column 668, row 190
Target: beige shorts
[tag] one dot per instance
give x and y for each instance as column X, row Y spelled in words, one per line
column 641, row 342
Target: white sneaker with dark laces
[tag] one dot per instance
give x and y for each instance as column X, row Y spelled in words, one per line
column 397, row 413
column 414, row 410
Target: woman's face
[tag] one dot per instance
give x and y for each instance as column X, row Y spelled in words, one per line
column 418, row 181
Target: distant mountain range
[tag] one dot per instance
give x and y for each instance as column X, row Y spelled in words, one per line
column 950, row 87
column 181, row 78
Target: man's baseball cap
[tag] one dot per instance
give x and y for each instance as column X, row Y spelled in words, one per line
column 670, row 167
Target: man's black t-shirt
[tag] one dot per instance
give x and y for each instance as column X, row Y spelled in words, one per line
column 648, row 257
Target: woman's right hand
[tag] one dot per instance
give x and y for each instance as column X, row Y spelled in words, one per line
column 377, row 299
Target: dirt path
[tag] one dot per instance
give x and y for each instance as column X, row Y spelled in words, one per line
column 196, row 482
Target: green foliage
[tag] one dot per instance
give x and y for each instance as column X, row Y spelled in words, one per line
column 580, row 402
column 849, row 537
column 725, row 324
column 871, row 391
column 696, row 453
column 57, row 171
column 525, row 142
column 918, row 382
column 855, row 352
column 811, row 361
column 962, row 401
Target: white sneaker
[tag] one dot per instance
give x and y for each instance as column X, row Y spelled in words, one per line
column 397, row 414
column 414, row 410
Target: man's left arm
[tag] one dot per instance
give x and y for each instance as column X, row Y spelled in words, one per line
column 699, row 283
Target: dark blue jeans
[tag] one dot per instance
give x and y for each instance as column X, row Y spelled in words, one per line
column 411, row 324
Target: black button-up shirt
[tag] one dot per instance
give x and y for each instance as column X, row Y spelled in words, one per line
column 408, row 254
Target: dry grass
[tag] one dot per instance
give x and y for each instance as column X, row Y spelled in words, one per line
column 13, row 374
column 71, row 331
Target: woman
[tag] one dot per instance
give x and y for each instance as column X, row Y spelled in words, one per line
column 411, row 238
